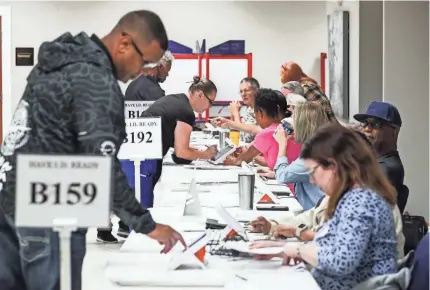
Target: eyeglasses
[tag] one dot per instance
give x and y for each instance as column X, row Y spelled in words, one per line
column 312, row 171
column 210, row 101
column 372, row 124
column 135, row 47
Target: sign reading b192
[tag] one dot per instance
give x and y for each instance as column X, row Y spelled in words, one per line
column 143, row 139
column 65, row 186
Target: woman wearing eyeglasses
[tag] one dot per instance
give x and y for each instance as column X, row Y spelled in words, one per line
column 358, row 241
column 177, row 121
column 178, row 118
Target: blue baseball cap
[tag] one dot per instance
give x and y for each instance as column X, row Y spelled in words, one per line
column 383, row 111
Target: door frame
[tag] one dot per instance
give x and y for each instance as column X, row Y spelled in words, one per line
column 7, row 56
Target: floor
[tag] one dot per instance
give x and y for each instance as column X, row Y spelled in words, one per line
column 96, row 258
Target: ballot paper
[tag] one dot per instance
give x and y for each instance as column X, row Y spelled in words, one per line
column 143, row 276
column 243, row 247
column 271, row 182
column 209, row 166
column 143, row 244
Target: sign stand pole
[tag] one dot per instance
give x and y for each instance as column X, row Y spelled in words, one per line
column 65, row 227
column 137, row 174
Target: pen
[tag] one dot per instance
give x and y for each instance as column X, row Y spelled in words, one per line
column 241, row 277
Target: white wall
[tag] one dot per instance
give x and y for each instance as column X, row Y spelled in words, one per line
column 406, row 85
column 275, row 32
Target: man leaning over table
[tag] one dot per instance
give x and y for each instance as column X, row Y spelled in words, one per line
column 304, row 226
column 72, row 105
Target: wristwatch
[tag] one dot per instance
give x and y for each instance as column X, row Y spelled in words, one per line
column 299, row 229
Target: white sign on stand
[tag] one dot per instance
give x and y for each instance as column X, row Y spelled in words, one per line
column 194, row 254
column 134, row 109
column 233, row 228
column 64, row 192
column 143, row 141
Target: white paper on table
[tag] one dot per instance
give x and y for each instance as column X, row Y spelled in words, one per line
column 226, row 200
column 159, row 277
column 143, row 244
column 279, row 188
column 272, row 182
column 243, row 247
column 140, row 243
column 250, row 215
column 210, row 167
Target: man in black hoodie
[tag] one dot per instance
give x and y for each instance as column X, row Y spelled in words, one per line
column 72, row 104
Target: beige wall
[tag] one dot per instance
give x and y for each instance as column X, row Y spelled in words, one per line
column 406, row 85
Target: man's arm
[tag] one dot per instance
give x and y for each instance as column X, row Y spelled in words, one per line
column 98, row 110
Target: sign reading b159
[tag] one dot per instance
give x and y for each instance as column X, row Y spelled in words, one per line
column 49, row 187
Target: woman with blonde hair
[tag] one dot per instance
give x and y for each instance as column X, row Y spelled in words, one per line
column 307, row 118
column 358, row 241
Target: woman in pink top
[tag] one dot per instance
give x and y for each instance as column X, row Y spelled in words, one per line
column 270, row 108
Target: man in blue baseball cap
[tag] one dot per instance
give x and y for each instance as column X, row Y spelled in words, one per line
column 381, row 124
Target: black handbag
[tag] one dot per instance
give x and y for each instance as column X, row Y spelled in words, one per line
column 414, row 229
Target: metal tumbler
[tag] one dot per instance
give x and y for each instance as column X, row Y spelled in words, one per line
column 246, row 190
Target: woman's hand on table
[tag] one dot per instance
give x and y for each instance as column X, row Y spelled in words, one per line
column 231, row 161
column 210, row 152
column 288, row 255
column 239, row 150
column 261, row 225
column 285, row 231
column 266, row 244
column 266, row 172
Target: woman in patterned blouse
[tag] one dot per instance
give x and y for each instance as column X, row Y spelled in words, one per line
column 358, row 241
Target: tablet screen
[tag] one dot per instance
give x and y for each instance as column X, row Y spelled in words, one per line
column 222, row 152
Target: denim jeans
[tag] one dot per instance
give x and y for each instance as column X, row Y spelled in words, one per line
column 30, row 257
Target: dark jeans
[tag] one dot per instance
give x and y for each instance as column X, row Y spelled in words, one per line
column 30, row 257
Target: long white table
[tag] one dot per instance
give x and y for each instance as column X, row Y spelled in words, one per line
column 139, row 258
